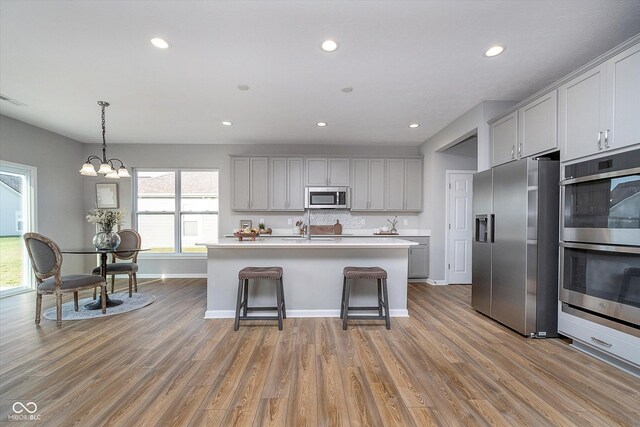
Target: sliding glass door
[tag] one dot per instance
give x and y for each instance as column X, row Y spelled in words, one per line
column 17, row 216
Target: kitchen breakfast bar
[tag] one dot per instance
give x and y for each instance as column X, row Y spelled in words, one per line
column 313, row 273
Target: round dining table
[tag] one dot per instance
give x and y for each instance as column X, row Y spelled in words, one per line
column 97, row 304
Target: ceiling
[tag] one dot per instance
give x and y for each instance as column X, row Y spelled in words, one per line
column 407, row 61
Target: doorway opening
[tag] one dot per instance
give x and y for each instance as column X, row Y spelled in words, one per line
column 461, row 165
column 17, row 216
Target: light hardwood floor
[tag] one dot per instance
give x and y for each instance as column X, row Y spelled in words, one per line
column 165, row 365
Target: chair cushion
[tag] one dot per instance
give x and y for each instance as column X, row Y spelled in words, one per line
column 365, row 273
column 272, row 273
column 118, row 267
column 72, row 281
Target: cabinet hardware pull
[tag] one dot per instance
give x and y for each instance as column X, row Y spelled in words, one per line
column 597, row 341
column 606, row 138
column 599, row 140
column 519, row 150
column 513, row 149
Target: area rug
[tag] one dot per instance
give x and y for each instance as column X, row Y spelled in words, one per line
column 137, row 300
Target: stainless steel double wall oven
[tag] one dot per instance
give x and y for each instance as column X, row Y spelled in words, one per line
column 600, row 238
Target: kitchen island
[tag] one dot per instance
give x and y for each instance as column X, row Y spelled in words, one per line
column 312, row 273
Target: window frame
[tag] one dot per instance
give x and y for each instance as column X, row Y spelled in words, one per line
column 177, row 212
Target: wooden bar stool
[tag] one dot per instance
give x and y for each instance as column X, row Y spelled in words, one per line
column 375, row 273
column 256, row 273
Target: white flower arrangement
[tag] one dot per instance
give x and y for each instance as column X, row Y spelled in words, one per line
column 106, row 219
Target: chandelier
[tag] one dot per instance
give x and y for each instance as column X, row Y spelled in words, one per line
column 106, row 167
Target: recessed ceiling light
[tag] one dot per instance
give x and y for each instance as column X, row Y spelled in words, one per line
column 494, row 51
column 321, row 124
column 159, row 43
column 243, row 87
column 329, row 45
column 347, row 89
column 414, row 125
column 227, row 123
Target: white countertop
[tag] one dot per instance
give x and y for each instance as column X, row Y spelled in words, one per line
column 315, row 242
column 351, row 233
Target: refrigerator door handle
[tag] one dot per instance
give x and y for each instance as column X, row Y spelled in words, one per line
column 490, row 228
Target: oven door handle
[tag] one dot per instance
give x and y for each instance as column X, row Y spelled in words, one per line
column 614, row 174
column 602, row 248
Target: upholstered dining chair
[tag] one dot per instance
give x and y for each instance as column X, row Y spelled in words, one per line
column 129, row 239
column 46, row 260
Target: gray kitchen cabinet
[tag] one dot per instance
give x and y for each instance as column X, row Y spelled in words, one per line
column 528, row 131
column 504, row 139
column 286, row 190
column 240, row 183
column 598, row 110
column 367, row 184
column 327, row 172
column 250, row 183
column 403, row 185
column 413, row 184
column 538, row 126
column 418, row 258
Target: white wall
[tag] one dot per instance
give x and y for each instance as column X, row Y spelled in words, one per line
column 60, row 196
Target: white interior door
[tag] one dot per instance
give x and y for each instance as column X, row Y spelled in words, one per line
column 459, row 230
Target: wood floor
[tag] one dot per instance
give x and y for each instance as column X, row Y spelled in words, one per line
column 165, row 365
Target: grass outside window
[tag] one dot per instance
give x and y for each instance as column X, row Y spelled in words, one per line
column 11, row 262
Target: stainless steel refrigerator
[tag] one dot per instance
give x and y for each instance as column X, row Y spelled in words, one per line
column 515, row 245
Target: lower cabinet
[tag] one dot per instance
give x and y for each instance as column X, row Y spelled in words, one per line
column 418, row 258
column 591, row 336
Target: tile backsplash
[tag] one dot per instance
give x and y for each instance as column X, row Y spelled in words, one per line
column 329, row 217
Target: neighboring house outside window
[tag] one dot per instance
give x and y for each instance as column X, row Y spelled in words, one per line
column 176, row 208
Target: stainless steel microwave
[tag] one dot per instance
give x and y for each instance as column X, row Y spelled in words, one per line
column 327, row 198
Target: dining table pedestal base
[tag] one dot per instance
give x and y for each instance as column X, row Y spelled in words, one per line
column 97, row 304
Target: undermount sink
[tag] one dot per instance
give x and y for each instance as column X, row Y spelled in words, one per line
column 293, row 238
column 322, row 238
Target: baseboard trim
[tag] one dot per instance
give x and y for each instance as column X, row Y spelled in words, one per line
column 173, row 276
column 230, row 314
column 435, row 282
column 418, row 280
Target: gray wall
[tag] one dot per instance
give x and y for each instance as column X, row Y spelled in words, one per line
column 462, row 156
column 440, row 154
column 60, row 196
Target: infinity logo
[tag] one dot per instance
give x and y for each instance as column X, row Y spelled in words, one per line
column 23, row 407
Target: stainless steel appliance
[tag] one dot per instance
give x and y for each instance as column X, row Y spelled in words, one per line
column 515, row 247
column 601, row 200
column 327, row 198
column 600, row 233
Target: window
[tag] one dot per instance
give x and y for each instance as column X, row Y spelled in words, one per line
column 175, row 209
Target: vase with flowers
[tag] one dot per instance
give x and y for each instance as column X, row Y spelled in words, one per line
column 106, row 220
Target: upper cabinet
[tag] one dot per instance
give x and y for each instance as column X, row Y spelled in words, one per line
column 538, row 126
column 599, row 109
column 277, row 183
column 327, row 172
column 504, row 139
column 286, row 189
column 528, row 131
column 403, row 179
column 249, row 183
column 367, row 184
